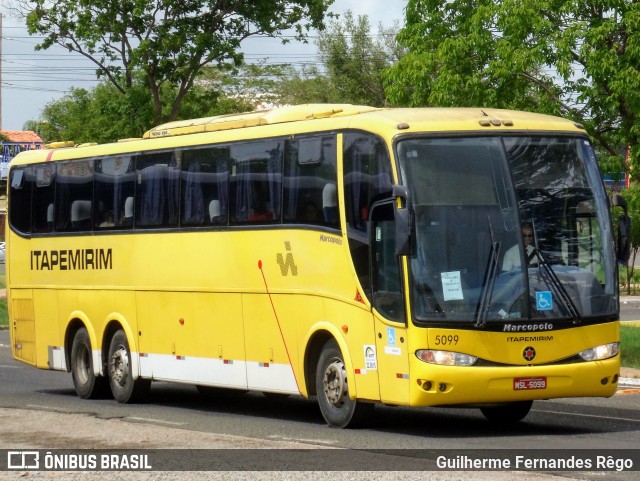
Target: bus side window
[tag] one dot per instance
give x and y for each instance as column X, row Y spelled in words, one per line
column 310, row 174
column 385, row 274
column 204, row 186
column 256, row 182
column 20, row 199
column 74, row 182
column 367, row 177
column 157, row 190
column 43, row 193
column 114, row 182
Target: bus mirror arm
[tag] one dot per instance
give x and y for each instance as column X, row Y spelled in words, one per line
column 623, row 235
column 403, row 225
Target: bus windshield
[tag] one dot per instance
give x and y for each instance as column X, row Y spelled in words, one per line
column 511, row 228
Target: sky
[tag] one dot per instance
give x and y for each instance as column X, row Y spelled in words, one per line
column 30, row 79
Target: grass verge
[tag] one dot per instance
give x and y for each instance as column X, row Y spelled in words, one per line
column 4, row 318
column 630, row 345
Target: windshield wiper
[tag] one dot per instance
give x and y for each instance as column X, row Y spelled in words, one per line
column 489, row 281
column 552, row 278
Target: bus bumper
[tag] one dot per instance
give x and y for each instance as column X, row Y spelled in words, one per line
column 435, row 385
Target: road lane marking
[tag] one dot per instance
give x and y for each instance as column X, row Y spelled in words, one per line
column 50, row 408
column 300, row 440
column 155, row 421
column 587, row 415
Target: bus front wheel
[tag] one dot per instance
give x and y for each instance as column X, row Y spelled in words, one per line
column 124, row 388
column 86, row 383
column 507, row 413
column 332, row 387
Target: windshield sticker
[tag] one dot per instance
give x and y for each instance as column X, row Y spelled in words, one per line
column 370, row 358
column 451, row 286
column 544, row 301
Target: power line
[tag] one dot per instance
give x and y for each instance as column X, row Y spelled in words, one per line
column 30, row 89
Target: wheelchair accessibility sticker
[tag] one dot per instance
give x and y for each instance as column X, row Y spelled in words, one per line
column 391, row 336
column 544, row 301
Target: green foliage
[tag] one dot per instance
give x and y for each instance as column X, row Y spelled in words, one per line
column 169, row 42
column 630, row 346
column 354, row 60
column 102, row 114
column 4, row 316
column 3, row 137
column 629, row 276
column 578, row 60
column 307, row 85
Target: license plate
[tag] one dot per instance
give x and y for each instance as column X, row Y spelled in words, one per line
column 525, row 383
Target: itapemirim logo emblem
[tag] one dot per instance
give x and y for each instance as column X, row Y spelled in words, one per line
column 529, row 353
column 287, row 263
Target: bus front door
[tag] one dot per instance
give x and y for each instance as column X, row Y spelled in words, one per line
column 388, row 307
column 393, row 360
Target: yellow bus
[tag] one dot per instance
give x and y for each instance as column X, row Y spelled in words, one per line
column 413, row 257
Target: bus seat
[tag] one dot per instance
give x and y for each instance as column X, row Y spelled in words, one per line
column 214, row 211
column 128, row 211
column 50, row 216
column 330, row 204
column 81, row 214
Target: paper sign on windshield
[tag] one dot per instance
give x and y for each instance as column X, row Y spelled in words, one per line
column 451, row 286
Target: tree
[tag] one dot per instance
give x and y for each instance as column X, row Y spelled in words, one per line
column 169, row 41
column 354, row 60
column 350, row 71
column 576, row 59
column 632, row 197
column 102, row 114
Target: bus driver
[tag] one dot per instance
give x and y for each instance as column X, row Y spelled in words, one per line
column 512, row 256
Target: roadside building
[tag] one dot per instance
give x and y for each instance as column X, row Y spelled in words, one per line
column 18, row 141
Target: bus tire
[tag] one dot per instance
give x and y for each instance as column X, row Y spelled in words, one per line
column 332, row 388
column 507, row 413
column 86, row 383
column 123, row 387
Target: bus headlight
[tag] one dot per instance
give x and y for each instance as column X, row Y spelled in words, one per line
column 604, row 351
column 445, row 358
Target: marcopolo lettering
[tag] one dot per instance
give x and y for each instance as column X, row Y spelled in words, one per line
column 72, row 259
column 543, row 326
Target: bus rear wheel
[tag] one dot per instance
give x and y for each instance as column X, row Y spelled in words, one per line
column 332, row 387
column 124, row 388
column 507, row 413
column 86, row 383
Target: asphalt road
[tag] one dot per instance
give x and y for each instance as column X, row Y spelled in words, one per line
column 630, row 308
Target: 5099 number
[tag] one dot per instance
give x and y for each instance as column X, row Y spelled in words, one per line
column 448, row 340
